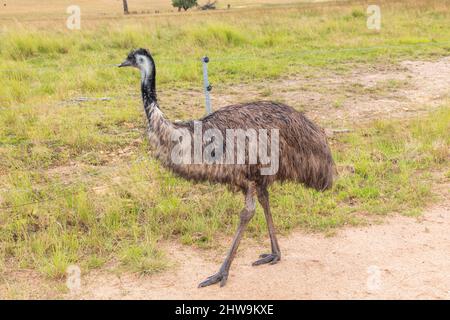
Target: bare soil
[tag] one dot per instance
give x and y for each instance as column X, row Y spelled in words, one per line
column 335, row 99
column 381, row 91
column 405, row 258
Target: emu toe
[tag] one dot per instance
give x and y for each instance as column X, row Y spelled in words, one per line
column 271, row 258
column 218, row 277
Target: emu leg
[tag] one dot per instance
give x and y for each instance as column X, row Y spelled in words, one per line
column 275, row 256
column 246, row 215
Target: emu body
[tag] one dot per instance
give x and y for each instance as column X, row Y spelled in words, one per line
column 304, row 154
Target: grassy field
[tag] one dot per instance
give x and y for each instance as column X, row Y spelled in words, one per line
column 27, row 10
column 77, row 183
column 52, row 63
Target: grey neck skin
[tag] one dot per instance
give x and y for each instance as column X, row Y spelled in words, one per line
column 148, row 87
column 159, row 129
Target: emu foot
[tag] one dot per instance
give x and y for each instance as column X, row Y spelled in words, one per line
column 271, row 258
column 220, row 276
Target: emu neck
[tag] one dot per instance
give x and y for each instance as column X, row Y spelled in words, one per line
column 159, row 128
column 148, row 90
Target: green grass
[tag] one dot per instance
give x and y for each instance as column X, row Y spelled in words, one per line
column 142, row 203
column 77, row 184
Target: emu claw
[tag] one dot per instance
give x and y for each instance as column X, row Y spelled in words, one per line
column 220, row 276
column 271, row 258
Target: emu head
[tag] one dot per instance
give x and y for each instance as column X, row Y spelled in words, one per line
column 142, row 60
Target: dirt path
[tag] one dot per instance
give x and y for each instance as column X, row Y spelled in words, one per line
column 406, row 258
column 365, row 93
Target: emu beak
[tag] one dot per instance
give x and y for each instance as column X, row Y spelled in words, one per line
column 126, row 63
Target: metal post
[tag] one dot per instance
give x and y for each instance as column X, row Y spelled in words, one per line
column 206, row 86
column 125, row 7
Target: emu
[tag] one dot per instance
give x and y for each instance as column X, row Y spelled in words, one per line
column 304, row 155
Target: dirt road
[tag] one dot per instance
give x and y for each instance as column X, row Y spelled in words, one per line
column 381, row 91
column 405, row 258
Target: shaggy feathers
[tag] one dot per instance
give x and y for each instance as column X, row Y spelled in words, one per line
column 304, row 153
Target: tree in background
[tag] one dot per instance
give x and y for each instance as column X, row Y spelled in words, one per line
column 185, row 4
column 125, row 6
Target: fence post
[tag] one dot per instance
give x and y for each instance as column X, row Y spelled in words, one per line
column 125, row 7
column 206, row 86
